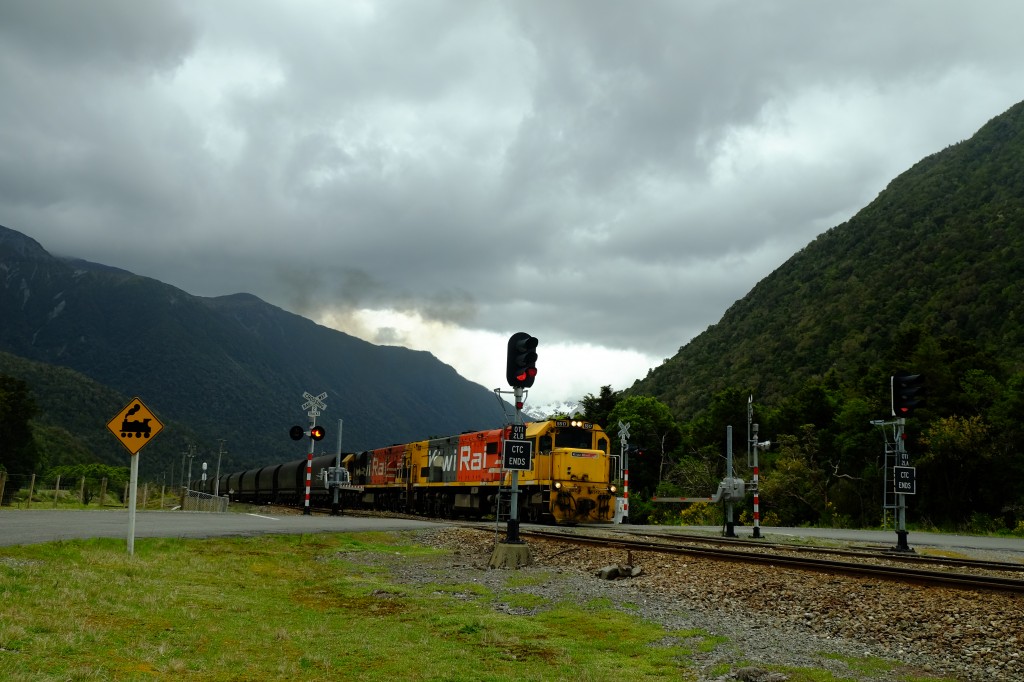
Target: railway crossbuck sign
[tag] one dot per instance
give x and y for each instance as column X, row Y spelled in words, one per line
column 134, row 426
column 314, row 403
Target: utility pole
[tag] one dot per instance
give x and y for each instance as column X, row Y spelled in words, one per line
column 216, row 476
column 191, row 455
column 335, row 480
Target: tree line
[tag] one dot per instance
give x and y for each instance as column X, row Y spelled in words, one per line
column 825, row 464
column 28, row 448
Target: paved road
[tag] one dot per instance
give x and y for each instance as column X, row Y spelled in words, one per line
column 21, row 527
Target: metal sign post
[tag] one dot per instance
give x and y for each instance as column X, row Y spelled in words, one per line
column 517, row 455
column 901, row 499
column 512, row 534
column 903, row 483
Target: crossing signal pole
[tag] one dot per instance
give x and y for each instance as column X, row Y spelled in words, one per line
column 520, row 371
column 315, row 404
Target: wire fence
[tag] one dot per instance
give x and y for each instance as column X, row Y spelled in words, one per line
column 54, row 492
column 199, row 501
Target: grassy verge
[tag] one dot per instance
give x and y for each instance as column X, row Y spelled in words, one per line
column 303, row 608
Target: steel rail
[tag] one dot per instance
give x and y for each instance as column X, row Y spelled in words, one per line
column 868, row 553
column 900, row 574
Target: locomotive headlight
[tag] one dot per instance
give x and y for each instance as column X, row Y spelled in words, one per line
column 612, row 489
column 558, row 485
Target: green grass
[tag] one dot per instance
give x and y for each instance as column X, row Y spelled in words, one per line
column 307, row 607
column 292, row 607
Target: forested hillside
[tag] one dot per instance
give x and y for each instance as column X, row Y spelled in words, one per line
column 928, row 279
column 940, row 253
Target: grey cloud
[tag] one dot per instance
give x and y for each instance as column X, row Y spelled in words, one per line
column 98, row 35
column 481, row 164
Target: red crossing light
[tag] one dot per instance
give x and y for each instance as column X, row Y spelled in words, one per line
column 521, row 362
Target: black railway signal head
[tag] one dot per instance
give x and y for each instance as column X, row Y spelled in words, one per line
column 521, row 363
column 908, row 393
column 315, row 432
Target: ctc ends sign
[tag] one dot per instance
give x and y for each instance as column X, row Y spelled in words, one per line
column 904, row 480
column 517, row 455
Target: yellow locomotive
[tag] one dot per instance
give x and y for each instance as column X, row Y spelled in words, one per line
column 461, row 475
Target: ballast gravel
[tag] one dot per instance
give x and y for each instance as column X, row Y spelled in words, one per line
column 768, row 617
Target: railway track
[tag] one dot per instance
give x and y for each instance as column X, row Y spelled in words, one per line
column 784, row 555
column 881, row 564
column 871, row 553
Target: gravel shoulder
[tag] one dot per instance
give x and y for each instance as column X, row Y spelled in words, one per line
column 768, row 616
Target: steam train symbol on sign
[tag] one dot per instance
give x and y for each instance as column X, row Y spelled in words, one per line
column 138, row 429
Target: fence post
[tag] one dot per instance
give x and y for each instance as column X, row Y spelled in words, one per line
column 3, row 485
column 124, row 498
column 145, row 494
column 56, row 491
column 81, row 492
column 103, row 491
column 31, row 489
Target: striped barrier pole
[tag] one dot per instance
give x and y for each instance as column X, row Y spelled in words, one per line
column 757, row 502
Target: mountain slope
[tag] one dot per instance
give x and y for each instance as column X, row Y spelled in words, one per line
column 940, row 250
column 232, row 367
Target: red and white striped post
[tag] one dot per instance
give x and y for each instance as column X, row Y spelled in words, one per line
column 752, row 448
column 315, row 404
column 757, row 501
column 625, row 493
column 624, row 463
column 309, row 477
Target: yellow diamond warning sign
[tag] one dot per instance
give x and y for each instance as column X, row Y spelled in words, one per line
column 134, row 426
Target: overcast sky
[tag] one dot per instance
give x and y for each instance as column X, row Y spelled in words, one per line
column 608, row 176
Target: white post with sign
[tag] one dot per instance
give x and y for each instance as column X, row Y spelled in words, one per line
column 134, row 426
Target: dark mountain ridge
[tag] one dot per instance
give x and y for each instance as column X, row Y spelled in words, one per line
column 231, row 367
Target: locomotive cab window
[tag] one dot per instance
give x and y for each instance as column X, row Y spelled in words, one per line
column 574, row 438
column 602, row 444
column 545, row 443
column 492, row 448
